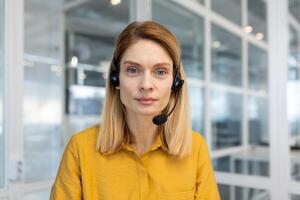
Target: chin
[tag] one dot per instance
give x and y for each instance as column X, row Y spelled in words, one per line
column 148, row 112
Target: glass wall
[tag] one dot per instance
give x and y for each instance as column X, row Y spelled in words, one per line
column 228, row 115
column 258, row 121
column 226, row 106
column 258, row 69
column 294, row 7
column 43, row 78
column 226, row 119
column 2, row 152
column 226, row 56
column 240, row 98
column 231, row 10
column 197, row 108
column 257, row 19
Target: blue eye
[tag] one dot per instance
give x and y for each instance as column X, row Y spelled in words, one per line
column 132, row 71
column 160, row 72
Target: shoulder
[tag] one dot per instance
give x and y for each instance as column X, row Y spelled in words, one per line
column 86, row 138
column 199, row 145
column 87, row 133
column 197, row 139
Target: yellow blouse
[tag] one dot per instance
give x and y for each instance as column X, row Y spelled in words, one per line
column 84, row 173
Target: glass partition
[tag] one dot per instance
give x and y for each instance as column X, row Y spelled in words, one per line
column 226, row 119
column 294, row 7
column 258, row 121
column 226, row 58
column 294, row 71
column 258, row 68
column 257, row 19
column 196, row 95
column 230, row 9
column 43, row 78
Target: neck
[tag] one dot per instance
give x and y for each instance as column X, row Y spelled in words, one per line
column 142, row 132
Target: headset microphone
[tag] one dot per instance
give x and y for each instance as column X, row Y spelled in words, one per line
column 162, row 118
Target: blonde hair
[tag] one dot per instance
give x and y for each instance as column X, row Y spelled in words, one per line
column 176, row 132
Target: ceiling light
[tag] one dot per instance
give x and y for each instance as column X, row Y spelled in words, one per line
column 74, row 61
column 115, row 2
column 248, row 29
column 259, row 36
column 216, row 44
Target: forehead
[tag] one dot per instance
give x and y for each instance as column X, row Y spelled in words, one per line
column 146, row 51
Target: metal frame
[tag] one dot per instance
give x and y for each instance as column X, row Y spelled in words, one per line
column 142, row 10
column 245, row 131
column 256, row 182
column 207, row 62
column 278, row 52
column 3, row 147
column 293, row 186
column 13, row 88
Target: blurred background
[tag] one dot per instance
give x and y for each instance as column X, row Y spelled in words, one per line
column 242, row 59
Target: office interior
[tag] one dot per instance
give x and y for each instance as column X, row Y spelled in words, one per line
column 241, row 57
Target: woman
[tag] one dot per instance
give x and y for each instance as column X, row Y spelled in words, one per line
column 144, row 148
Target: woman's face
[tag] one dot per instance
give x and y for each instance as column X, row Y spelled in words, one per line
column 146, row 76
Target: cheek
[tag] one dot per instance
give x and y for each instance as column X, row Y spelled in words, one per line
column 167, row 93
column 125, row 91
column 167, row 97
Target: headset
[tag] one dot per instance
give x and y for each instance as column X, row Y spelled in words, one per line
column 176, row 86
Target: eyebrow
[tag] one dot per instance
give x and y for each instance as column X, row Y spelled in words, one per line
column 135, row 63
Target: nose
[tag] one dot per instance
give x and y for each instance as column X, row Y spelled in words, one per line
column 146, row 82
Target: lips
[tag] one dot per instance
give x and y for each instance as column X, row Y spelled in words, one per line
column 146, row 100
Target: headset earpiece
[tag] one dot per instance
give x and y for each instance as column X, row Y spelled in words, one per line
column 114, row 78
column 114, row 74
column 177, row 82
